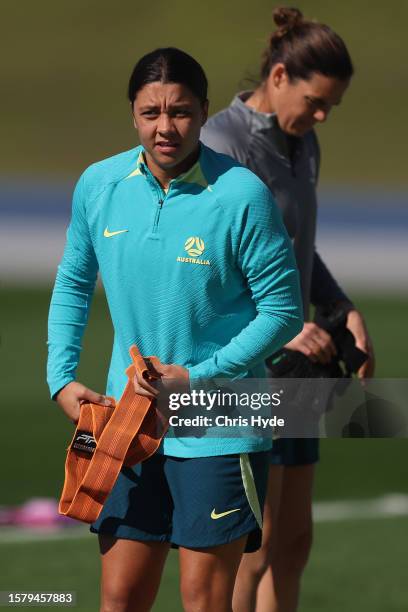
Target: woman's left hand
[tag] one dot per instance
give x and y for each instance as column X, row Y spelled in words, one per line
column 356, row 324
column 170, row 375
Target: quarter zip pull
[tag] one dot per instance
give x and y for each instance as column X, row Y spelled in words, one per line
column 157, row 215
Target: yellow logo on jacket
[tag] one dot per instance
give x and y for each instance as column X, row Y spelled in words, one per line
column 195, row 248
column 109, row 234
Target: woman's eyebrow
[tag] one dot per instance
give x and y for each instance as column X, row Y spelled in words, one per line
column 154, row 106
column 179, row 103
column 323, row 102
column 317, row 100
column 149, row 106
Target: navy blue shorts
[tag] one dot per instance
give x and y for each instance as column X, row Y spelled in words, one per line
column 294, row 451
column 194, row 503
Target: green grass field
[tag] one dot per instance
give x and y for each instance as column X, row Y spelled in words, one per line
column 358, row 565
column 37, row 434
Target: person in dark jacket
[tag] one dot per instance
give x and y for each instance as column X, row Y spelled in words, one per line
column 305, row 71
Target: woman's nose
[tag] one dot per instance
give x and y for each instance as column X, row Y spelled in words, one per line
column 321, row 115
column 164, row 123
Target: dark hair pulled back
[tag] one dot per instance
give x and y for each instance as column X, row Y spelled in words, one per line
column 168, row 65
column 305, row 47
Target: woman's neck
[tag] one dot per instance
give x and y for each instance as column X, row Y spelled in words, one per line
column 260, row 101
column 165, row 175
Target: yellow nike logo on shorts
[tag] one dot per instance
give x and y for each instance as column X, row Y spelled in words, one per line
column 215, row 516
column 109, row 234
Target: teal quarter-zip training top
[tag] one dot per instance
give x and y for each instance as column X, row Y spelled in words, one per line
column 202, row 275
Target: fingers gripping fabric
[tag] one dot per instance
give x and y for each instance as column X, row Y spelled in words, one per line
column 106, row 438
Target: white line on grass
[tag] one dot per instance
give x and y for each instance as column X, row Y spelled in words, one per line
column 388, row 506
column 14, row 535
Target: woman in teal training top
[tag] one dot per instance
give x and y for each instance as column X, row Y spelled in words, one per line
column 198, row 269
column 306, row 70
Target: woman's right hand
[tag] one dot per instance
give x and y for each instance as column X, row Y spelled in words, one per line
column 314, row 342
column 73, row 395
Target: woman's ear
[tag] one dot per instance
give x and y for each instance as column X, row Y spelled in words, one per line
column 278, row 75
column 132, row 110
column 205, row 107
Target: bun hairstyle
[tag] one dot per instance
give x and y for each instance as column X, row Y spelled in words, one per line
column 286, row 19
column 305, row 47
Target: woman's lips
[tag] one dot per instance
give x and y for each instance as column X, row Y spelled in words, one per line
column 166, row 147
